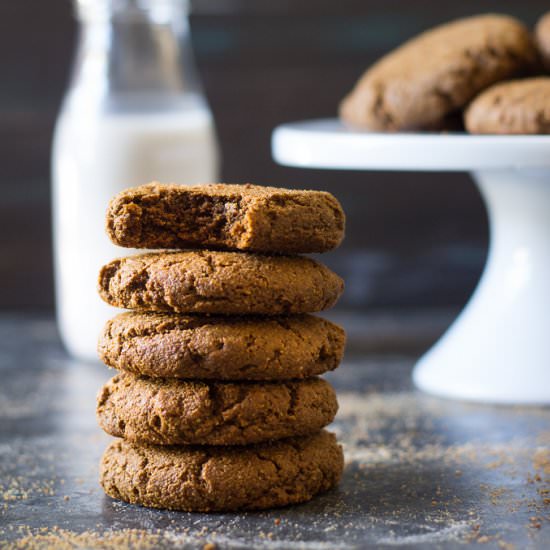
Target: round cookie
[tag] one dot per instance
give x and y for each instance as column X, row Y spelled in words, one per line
column 542, row 38
column 226, row 217
column 178, row 412
column 516, row 107
column 227, row 283
column 421, row 83
column 224, row 348
column 214, row 479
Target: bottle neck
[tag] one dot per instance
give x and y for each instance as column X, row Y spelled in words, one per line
column 135, row 51
column 159, row 11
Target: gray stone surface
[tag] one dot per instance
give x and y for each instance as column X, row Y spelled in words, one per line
column 421, row 472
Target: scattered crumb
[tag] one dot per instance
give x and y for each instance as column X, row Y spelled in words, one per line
column 61, row 539
column 535, row 522
column 541, row 461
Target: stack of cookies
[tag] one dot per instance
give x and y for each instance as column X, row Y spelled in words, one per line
column 218, row 402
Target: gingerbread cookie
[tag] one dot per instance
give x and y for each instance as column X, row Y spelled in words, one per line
column 223, row 348
column 186, row 412
column 542, row 38
column 229, row 217
column 210, row 479
column 515, row 107
column 227, row 283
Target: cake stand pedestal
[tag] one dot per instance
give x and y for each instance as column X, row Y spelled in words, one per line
column 498, row 349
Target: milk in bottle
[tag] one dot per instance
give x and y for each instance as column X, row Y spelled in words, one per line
column 133, row 113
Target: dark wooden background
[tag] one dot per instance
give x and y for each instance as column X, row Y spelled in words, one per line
column 412, row 240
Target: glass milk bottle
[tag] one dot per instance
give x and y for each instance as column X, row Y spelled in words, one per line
column 134, row 112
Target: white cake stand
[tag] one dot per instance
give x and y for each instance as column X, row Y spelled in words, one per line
column 498, row 349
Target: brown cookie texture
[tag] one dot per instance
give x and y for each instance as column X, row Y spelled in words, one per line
column 227, row 283
column 515, row 107
column 222, row 348
column 418, row 85
column 542, row 38
column 226, row 217
column 216, row 479
column 185, row 412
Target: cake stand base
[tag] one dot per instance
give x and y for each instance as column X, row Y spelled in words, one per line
column 498, row 350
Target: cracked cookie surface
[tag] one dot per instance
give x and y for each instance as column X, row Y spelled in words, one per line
column 178, row 412
column 227, row 283
column 515, row 107
column 226, row 216
column 223, row 348
column 421, row 83
column 210, row 479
